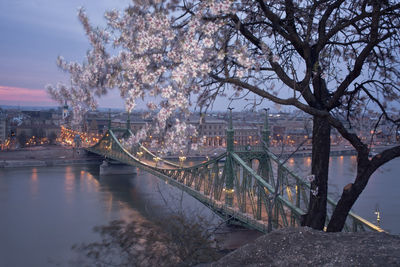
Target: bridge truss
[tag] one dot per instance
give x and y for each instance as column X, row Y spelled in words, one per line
column 245, row 185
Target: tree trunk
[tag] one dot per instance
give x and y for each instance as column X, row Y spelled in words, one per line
column 321, row 144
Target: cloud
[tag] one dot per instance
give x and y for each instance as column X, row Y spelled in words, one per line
column 24, row 97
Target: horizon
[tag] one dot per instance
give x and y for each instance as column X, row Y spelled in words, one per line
column 45, row 107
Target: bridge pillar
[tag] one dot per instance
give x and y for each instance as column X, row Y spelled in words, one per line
column 230, row 133
column 110, row 167
column 127, row 133
column 265, row 132
column 128, row 121
column 229, row 177
column 265, row 161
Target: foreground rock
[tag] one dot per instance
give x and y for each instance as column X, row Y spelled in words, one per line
column 307, row 247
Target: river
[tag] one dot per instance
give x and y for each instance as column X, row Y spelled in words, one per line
column 45, row 210
column 382, row 191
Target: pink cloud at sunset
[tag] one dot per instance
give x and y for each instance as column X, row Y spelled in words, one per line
column 25, row 97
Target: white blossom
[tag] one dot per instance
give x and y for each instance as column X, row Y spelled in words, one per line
column 275, row 58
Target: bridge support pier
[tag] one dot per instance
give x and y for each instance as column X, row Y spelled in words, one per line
column 229, row 176
column 114, row 168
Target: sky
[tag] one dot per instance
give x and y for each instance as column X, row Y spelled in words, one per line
column 33, row 33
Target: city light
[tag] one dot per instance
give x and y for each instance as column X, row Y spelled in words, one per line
column 67, row 137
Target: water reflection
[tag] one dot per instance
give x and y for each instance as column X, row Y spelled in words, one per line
column 308, row 162
column 127, row 193
column 34, row 186
column 381, row 190
column 89, row 181
column 68, row 202
column 116, row 194
column 69, row 184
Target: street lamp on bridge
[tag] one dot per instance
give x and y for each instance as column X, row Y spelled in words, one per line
column 181, row 160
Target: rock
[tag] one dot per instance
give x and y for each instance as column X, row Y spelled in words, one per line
column 304, row 246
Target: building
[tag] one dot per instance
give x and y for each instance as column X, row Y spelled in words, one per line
column 246, row 135
column 3, row 129
column 96, row 122
column 210, row 130
column 65, row 112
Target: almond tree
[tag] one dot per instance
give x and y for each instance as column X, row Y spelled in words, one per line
column 337, row 60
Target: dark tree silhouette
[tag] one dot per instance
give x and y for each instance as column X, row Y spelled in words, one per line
column 52, row 138
column 22, row 138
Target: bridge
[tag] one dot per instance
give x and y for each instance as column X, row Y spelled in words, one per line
column 246, row 185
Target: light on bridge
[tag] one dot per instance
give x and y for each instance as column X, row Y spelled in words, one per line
column 378, row 217
column 229, row 191
column 67, row 137
column 181, row 160
column 156, row 159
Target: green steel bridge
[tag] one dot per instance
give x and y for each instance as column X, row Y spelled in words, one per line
column 246, row 185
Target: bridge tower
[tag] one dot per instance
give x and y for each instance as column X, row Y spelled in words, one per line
column 265, row 132
column 229, row 177
column 128, row 121
column 127, row 132
column 265, row 161
column 65, row 111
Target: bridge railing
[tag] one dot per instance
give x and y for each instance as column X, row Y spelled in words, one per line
column 273, row 207
column 297, row 190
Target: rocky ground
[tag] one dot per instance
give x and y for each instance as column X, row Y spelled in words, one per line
column 307, row 247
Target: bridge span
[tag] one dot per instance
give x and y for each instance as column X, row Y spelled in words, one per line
column 246, row 185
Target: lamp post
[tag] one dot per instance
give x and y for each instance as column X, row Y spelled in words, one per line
column 156, row 159
column 181, row 160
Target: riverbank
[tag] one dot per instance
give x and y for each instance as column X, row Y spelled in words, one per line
column 292, row 151
column 335, row 150
column 41, row 156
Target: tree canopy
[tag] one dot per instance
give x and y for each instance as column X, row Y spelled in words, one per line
column 337, row 60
